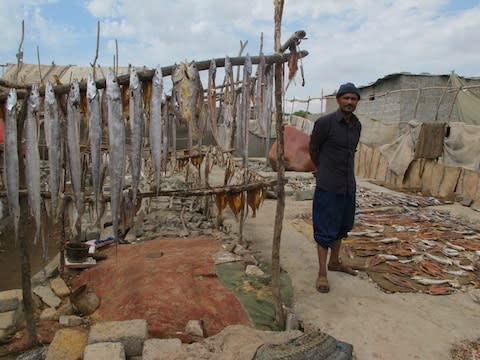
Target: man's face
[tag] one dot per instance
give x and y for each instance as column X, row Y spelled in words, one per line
column 348, row 102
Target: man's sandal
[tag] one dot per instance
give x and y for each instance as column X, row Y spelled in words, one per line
column 342, row 268
column 322, row 284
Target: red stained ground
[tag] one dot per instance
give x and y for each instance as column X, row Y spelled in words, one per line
column 165, row 281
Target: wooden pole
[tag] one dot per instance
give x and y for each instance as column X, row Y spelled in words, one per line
column 277, row 232
column 144, row 75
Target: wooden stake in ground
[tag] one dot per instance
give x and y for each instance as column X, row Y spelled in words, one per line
column 277, row 232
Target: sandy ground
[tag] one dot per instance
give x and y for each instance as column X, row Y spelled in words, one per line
column 379, row 325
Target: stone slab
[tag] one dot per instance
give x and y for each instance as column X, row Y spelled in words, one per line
column 59, row 287
column 131, row 333
column 163, row 349
column 47, row 295
column 104, row 351
column 68, row 344
column 10, row 300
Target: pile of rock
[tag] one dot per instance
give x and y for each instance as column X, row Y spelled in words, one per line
column 11, row 313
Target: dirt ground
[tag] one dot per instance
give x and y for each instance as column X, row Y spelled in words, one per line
column 379, row 325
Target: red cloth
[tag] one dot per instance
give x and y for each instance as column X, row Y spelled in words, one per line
column 297, row 155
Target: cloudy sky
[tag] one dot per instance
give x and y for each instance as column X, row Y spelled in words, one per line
column 356, row 40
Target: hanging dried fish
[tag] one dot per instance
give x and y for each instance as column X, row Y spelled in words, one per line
column 292, row 63
column 212, row 99
column 221, row 201
column 73, row 143
column 157, row 147
column 227, row 107
column 116, row 134
column 55, row 146
column 268, row 107
column 95, row 135
column 254, row 199
column 137, row 130
column 236, row 201
column 243, row 119
column 32, row 158
column 188, row 97
column 11, row 160
column 260, row 94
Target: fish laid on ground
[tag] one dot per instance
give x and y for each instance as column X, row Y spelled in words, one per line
column 464, row 267
column 11, row 159
column 456, row 272
column 137, row 130
column 73, row 143
column 439, row 259
column 116, row 135
column 156, row 126
column 389, row 240
column 456, row 247
column 399, row 281
column 402, row 268
column 95, row 134
column 55, row 146
column 212, row 98
column 374, row 260
column 439, row 290
column 188, row 97
column 32, row 158
column 449, row 251
column 430, row 268
column 429, row 281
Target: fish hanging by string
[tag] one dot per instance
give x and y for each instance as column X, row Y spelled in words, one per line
column 73, row 144
column 188, row 100
column 10, row 157
column 95, row 135
column 155, row 130
column 260, row 93
column 32, row 158
column 116, row 135
column 212, row 99
column 55, row 147
column 268, row 107
column 137, row 130
column 292, row 63
column 227, row 103
column 244, row 118
column 254, row 199
column 236, row 201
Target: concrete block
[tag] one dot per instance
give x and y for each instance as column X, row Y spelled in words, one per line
column 104, row 351
column 59, row 287
column 163, row 349
column 47, row 272
column 10, row 300
column 68, row 344
column 131, row 333
column 8, row 321
column 47, row 295
column 49, row 314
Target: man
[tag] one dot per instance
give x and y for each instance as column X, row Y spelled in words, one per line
column 333, row 144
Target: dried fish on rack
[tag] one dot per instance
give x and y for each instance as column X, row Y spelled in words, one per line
column 73, row 143
column 32, row 158
column 116, row 132
column 188, row 100
column 212, row 99
column 225, row 125
column 260, row 94
column 244, row 118
column 55, row 146
column 10, row 157
column 95, row 135
column 156, row 129
column 137, row 130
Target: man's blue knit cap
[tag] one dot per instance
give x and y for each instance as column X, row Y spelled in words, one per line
column 348, row 88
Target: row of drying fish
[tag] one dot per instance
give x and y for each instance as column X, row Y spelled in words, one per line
column 146, row 104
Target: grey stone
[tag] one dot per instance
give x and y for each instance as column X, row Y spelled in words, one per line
column 255, row 271
column 9, row 320
column 35, row 354
column 104, row 351
column 47, row 295
column 195, row 328
column 466, row 201
column 291, row 322
column 65, row 309
column 131, row 333
column 156, row 349
column 47, row 272
column 70, row 320
column 303, row 195
column 10, row 299
column 59, row 287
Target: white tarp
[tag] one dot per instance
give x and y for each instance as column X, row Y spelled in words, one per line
column 462, row 147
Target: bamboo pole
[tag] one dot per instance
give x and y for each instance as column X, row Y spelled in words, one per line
column 277, row 232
